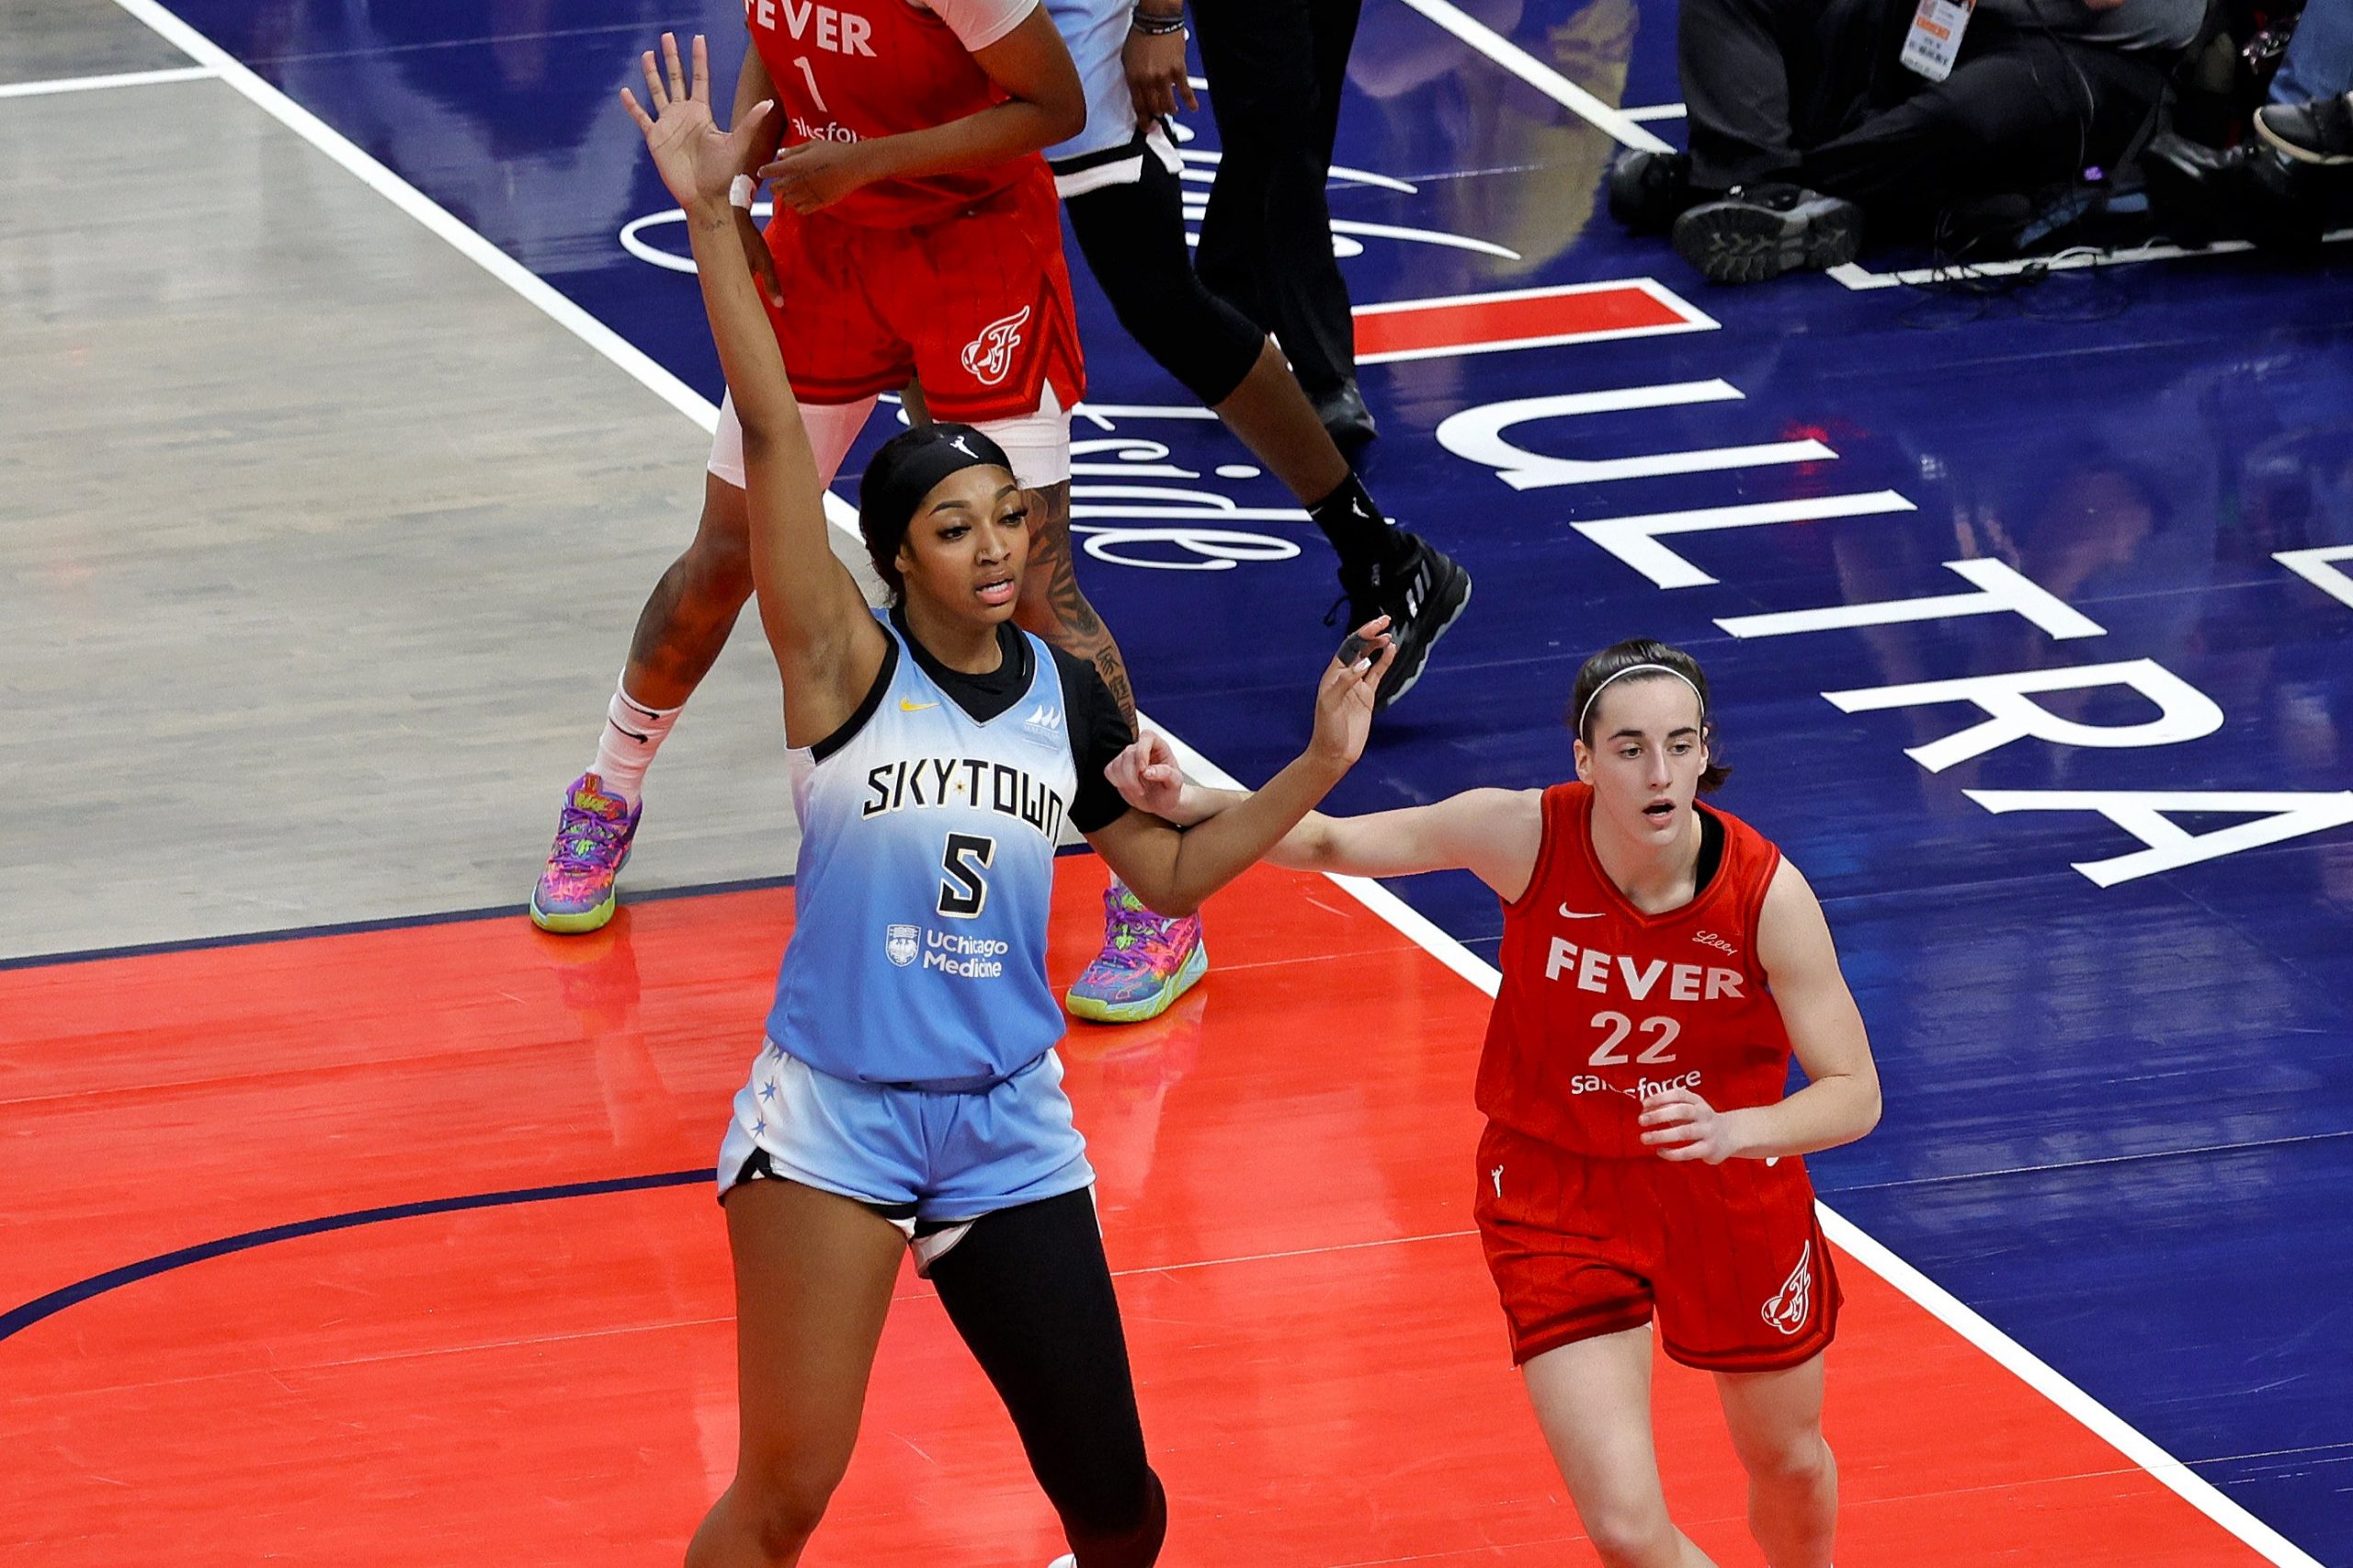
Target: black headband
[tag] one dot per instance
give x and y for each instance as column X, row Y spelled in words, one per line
column 909, row 466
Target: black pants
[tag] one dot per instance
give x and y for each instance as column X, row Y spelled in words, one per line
column 1028, row 1291
column 1812, row 91
column 1276, row 69
column 1134, row 238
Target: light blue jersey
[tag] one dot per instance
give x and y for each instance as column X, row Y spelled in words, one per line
column 1096, row 30
column 1110, row 148
column 926, row 865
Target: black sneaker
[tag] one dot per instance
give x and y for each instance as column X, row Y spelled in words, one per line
column 1422, row 594
column 1756, row 231
column 2318, row 132
column 1648, row 192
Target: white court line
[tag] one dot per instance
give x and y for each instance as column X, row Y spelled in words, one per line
column 97, row 83
column 2192, row 1488
column 430, row 213
column 1860, row 277
column 1537, row 75
column 1654, row 111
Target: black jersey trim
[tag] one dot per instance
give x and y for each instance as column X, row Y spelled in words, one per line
column 1711, row 853
column 1134, row 146
column 974, row 693
column 865, row 707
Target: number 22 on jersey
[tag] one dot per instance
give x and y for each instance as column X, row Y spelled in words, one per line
column 1662, row 1031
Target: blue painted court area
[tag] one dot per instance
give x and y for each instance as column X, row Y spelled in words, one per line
column 2118, row 1049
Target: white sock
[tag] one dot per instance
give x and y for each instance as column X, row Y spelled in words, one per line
column 634, row 732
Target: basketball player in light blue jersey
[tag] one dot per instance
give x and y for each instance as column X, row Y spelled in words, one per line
column 908, row 1092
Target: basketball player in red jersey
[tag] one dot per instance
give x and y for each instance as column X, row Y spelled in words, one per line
column 918, row 232
column 1661, row 963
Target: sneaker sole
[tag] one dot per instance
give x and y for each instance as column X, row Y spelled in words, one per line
column 1152, row 1006
column 579, row 923
column 1748, row 244
column 1414, row 676
column 2301, row 154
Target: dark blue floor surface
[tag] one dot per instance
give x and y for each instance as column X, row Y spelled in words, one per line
column 2120, row 1117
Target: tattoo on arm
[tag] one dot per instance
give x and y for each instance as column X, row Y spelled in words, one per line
column 1054, row 607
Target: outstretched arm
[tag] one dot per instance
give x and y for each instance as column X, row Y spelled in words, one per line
column 1174, row 870
column 1044, row 104
column 828, row 646
column 1840, row 1101
column 1492, row 834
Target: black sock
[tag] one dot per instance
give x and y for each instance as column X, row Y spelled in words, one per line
column 1356, row 527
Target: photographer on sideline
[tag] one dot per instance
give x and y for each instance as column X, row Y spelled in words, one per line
column 1807, row 117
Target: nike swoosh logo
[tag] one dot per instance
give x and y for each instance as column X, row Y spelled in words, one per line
column 907, row 706
column 1568, row 914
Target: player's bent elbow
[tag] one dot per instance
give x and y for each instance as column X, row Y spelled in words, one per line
column 1065, row 116
column 1866, row 1113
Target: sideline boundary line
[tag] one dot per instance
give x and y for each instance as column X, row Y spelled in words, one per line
column 1539, row 75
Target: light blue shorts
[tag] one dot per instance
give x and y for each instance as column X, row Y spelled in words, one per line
column 910, row 1154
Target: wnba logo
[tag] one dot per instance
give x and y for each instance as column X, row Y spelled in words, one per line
column 989, row 356
column 900, row 944
column 1793, row 1303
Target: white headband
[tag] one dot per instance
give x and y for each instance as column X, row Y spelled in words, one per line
column 1635, row 670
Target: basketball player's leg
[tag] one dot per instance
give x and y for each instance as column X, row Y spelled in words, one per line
column 1028, row 1289
column 1133, row 233
column 1592, row 1400
column 1052, row 603
column 813, row 1277
column 687, row 618
column 1776, row 1423
column 680, row 631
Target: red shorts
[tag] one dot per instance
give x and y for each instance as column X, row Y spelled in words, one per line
column 978, row 306
column 1730, row 1257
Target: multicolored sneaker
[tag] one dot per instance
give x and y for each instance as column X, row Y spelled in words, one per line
column 1147, row 961
column 592, row 839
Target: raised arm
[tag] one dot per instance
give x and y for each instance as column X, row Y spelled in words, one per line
column 1841, row 1099
column 1044, row 104
column 753, row 88
column 828, row 646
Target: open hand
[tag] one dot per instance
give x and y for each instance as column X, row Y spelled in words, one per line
column 812, row 174
column 696, row 160
column 1682, row 1126
column 1147, row 776
column 1343, row 701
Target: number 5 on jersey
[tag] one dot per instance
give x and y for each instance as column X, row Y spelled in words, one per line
column 963, row 890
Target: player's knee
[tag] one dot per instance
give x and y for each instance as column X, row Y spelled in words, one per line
column 721, row 552
column 1800, row 1459
column 1120, row 1527
column 1632, row 1535
column 1182, row 326
column 779, row 1507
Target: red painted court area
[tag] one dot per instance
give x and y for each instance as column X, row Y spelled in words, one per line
column 1286, row 1184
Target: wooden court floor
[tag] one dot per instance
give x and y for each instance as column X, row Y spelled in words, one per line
column 349, row 1220
column 477, row 1309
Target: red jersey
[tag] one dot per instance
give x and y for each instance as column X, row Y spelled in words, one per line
column 849, row 70
column 1602, row 1004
